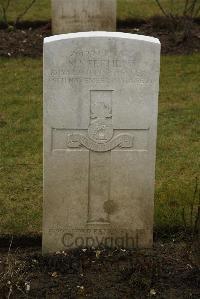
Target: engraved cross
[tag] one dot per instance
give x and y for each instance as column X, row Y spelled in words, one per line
column 100, row 139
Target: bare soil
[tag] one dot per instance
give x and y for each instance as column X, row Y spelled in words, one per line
column 27, row 39
column 166, row 271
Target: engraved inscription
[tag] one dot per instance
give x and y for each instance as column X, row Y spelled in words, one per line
column 79, row 140
column 94, row 66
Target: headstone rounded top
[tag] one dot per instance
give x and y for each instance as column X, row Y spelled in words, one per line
column 101, row 34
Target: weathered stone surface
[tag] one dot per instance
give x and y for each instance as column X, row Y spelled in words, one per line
column 100, row 123
column 83, row 15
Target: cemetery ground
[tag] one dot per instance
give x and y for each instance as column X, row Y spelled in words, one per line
column 166, row 271
column 171, row 268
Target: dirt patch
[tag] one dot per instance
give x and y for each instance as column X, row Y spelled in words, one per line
column 27, row 40
column 171, row 43
column 166, row 271
column 23, row 42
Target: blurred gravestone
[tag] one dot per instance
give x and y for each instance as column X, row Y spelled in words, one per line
column 83, row 15
column 100, row 123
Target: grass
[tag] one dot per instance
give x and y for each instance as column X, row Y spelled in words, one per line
column 21, row 151
column 142, row 9
column 178, row 161
column 21, row 133
column 41, row 10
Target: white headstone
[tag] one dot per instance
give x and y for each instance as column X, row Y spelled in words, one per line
column 100, row 123
column 83, row 15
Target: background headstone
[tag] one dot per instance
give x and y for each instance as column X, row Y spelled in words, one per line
column 100, row 123
column 83, row 15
